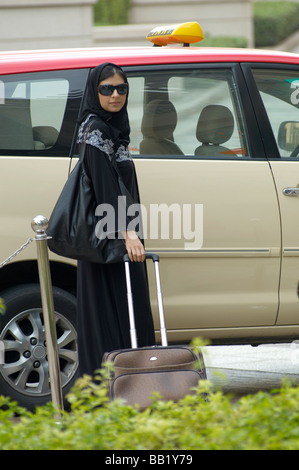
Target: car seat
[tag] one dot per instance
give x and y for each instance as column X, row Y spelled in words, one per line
column 215, row 126
column 15, row 125
column 45, row 137
column 158, row 124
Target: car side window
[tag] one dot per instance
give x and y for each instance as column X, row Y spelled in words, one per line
column 192, row 112
column 38, row 112
column 279, row 90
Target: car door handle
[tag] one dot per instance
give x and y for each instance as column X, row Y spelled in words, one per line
column 293, row 192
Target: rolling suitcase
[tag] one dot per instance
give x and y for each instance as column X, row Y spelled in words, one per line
column 137, row 373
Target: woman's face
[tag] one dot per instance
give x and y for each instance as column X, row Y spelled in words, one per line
column 114, row 102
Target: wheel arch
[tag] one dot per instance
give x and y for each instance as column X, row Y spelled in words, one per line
column 63, row 275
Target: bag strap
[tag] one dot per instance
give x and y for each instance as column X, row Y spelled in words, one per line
column 82, row 147
column 122, row 185
column 83, row 144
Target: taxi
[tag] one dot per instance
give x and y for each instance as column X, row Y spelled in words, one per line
column 215, row 141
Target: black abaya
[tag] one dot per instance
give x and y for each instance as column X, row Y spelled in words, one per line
column 103, row 321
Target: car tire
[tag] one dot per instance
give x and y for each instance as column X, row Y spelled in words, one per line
column 24, row 374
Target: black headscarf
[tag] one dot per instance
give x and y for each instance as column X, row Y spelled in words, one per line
column 118, row 121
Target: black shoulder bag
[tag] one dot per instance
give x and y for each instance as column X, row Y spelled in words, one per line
column 73, row 222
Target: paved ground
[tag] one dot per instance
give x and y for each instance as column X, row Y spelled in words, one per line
column 242, row 370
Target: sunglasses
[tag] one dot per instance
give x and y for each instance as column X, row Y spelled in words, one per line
column 108, row 90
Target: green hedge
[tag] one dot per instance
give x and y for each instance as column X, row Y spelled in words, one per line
column 2, row 307
column 274, row 22
column 112, row 12
column 222, row 41
column 264, row 421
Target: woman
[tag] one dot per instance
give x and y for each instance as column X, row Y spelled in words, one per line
column 103, row 321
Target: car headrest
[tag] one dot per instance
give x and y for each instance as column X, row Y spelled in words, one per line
column 46, row 134
column 159, row 120
column 215, row 125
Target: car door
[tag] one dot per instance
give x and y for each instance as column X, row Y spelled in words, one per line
column 208, row 197
column 38, row 113
column 277, row 100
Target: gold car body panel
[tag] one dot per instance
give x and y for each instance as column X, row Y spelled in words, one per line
column 29, row 186
column 232, row 280
column 286, row 176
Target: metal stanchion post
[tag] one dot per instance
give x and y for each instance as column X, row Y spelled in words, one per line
column 40, row 224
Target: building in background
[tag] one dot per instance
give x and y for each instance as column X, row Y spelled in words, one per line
column 46, row 24
column 42, row 24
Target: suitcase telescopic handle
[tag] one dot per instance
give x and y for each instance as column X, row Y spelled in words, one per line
column 163, row 332
column 148, row 255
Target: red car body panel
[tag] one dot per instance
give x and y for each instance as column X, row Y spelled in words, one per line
column 42, row 60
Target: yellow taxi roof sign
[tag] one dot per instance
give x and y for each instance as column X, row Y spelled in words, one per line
column 186, row 33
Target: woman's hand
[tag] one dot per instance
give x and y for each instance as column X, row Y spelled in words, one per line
column 135, row 248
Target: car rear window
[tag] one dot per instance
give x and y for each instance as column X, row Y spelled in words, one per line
column 38, row 111
column 192, row 112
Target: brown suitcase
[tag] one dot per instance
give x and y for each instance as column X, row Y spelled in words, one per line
column 137, row 373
